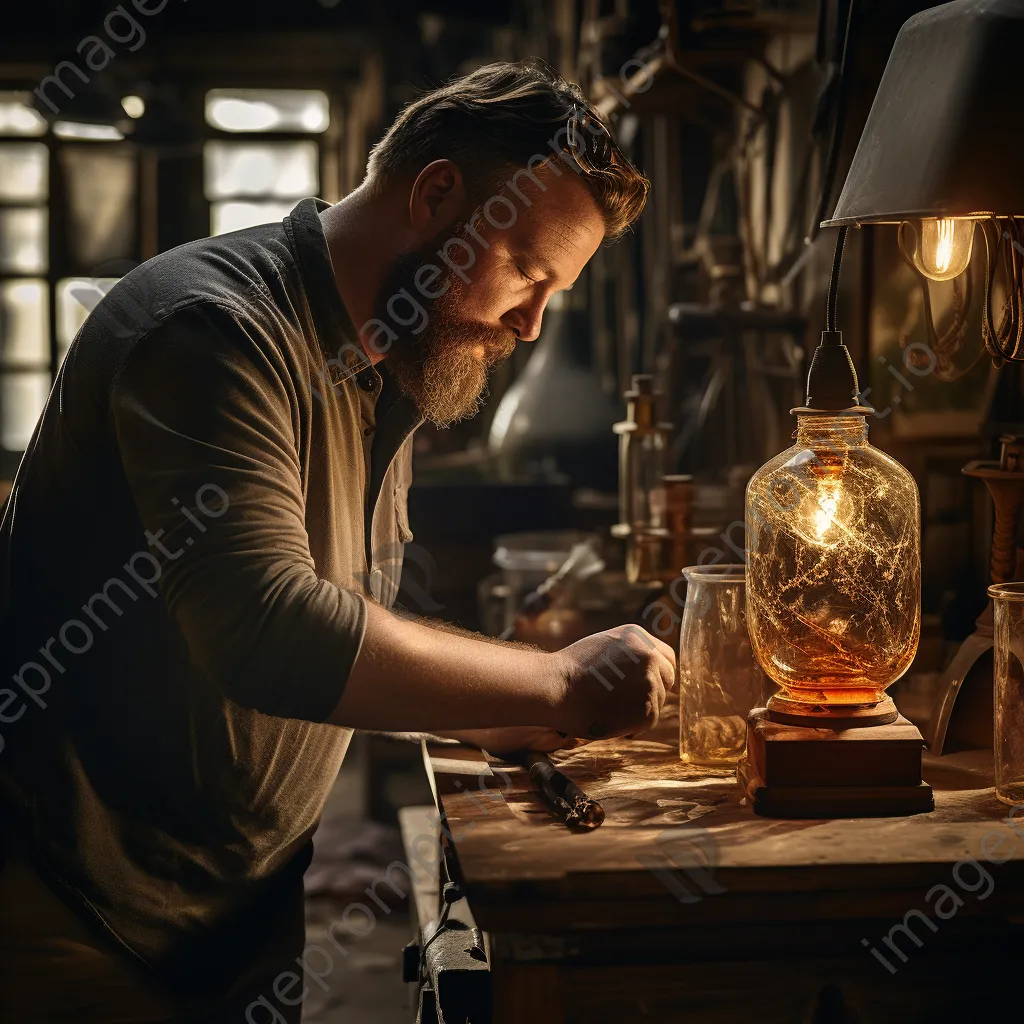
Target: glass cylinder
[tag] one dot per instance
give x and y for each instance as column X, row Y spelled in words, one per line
column 641, row 459
column 719, row 680
column 1008, row 703
column 833, row 564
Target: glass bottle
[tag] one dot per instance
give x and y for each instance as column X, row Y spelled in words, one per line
column 719, row 680
column 833, row 565
column 642, row 510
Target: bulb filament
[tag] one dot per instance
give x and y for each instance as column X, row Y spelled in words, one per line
column 944, row 244
column 828, row 505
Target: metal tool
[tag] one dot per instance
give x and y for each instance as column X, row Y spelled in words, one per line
column 560, row 794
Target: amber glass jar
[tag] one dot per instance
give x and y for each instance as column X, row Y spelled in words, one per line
column 833, row 564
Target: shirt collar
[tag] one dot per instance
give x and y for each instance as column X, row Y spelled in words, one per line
column 331, row 320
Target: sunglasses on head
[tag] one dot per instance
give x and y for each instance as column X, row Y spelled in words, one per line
column 589, row 141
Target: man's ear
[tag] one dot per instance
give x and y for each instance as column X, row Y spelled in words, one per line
column 437, row 198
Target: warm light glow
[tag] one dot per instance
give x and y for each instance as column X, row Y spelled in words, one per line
column 828, row 504
column 833, row 565
column 944, row 245
column 943, row 248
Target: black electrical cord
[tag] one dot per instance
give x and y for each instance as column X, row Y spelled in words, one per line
column 833, row 281
column 836, row 137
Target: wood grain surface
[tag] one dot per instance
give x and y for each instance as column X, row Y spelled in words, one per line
column 666, row 819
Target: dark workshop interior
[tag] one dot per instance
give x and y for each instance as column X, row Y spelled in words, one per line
column 777, row 426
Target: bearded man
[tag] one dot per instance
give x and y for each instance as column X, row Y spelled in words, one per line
column 204, row 540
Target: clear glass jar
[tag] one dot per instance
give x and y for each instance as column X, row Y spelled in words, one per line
column 719, row 680
column 1008, row 697
column 833, row 564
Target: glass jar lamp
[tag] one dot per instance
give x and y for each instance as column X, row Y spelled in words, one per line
column 833, row 569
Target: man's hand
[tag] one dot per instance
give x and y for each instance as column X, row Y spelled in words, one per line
column 511, row 739
column 409, row 677
column 615, row 682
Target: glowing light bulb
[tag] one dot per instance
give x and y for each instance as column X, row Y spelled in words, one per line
column 828, row 505
column 944, row 247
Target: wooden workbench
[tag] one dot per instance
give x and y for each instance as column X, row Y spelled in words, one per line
column 684, row 906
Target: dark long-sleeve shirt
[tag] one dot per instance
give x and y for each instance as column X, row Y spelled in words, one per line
column 217, row 484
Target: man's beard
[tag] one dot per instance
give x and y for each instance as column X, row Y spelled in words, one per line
column 438, row 368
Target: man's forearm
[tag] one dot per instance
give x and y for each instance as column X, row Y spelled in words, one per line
column 409, row 677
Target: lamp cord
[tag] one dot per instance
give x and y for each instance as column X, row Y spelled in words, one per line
column 838, row 125
column 1003, row 340
column 833, row 282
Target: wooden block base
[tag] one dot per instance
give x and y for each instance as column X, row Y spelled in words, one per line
column 792, row 771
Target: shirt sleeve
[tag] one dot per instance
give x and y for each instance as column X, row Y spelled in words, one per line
column 204, row 412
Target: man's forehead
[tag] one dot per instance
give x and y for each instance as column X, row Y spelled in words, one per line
column 561, row 220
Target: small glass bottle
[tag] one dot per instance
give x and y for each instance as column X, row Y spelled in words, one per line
column 833, row 565
column 642, row 510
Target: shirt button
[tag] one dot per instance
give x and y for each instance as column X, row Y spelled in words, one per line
column 376, row 582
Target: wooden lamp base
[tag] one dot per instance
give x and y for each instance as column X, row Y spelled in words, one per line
column 814, row 771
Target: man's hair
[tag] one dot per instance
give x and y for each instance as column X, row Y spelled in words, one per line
column 500, row 118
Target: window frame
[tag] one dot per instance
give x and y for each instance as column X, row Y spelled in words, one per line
column 59, row 261
column 322, row 140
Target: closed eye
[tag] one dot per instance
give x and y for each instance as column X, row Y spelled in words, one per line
column 524, row 275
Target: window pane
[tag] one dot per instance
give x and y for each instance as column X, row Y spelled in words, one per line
column 23, row 241
column 226, row 217
column 96, row 132
column 285, row 169
column 24, row 323
column 77, row 297
column 17, row 116
column 23, row 171
column 268, row 110
column 101, row 203
column 22, row 397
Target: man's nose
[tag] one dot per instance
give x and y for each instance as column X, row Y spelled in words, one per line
column 525, row 321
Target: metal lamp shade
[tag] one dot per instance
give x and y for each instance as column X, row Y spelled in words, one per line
column 943, row 138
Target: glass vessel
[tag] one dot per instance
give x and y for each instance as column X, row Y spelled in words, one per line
column 642, row 511
column 1008, row 738
column 719, row 680
column 833, row 566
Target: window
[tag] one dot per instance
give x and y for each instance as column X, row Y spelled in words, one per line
column 268, row 110
column 77, row 297
column 24, row 262
column 250, row 181
column 45, row 287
